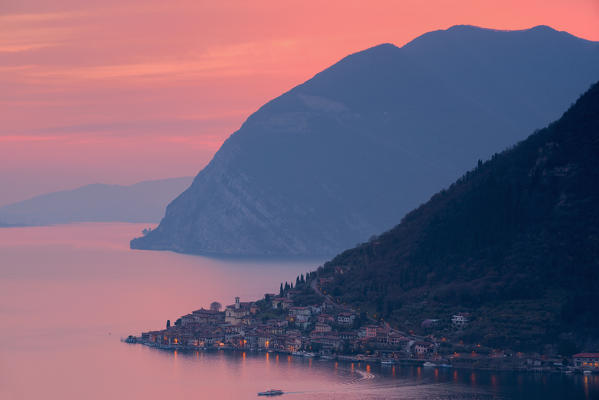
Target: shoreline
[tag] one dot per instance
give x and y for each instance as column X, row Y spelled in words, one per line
column 350, row 359
column 304, row 320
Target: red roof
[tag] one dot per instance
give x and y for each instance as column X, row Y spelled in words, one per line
column 586, row 355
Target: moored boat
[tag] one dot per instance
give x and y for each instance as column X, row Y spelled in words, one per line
column 271, row 392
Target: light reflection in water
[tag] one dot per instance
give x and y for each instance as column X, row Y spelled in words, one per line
column 586, row 386
column 38, row 283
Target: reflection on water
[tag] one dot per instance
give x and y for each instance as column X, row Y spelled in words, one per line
column 306, row 379
column 68, row 293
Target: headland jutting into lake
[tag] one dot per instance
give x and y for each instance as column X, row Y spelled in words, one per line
column 303, row 320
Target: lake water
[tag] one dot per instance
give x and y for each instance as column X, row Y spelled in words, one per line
column 69, row 293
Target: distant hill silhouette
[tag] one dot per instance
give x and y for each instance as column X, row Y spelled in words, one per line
column 514, row 241
column 141, row 202
column 349, row 152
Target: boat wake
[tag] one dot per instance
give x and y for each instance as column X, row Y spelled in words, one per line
column 365, row 376
column 359, row 376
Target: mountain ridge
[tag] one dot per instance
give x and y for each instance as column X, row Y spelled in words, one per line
column 343, row 155
column 140, row 202
column 514, row 241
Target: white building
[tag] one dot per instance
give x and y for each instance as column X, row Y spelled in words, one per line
column 235, row 313
column 346, row 319
column 459, row 320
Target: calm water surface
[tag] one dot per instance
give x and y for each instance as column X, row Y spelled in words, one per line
column 68, row 293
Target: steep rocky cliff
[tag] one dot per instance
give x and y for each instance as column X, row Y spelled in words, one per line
column 349, row 152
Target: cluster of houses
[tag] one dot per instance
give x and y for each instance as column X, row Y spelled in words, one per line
column 329, row 330
column 277, row 324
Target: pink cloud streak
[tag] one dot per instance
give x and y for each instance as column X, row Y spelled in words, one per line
column 91, row 91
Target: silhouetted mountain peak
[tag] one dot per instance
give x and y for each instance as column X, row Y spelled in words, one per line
column 347, row 153
column 542, row 28
column 476, row 29
column 383, row 48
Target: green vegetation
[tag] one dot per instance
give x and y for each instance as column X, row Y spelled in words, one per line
column 514, row 241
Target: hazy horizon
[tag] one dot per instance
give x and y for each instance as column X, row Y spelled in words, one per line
column 157, row 95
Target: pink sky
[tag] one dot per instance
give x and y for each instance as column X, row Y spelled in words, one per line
column 121, row 91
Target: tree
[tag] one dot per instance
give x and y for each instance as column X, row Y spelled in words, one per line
column 215, row 306
column 168, row 323
column 281, row 290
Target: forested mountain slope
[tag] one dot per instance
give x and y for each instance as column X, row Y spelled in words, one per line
column 514, row 241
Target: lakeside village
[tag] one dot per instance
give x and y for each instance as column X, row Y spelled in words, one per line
column 304, row 322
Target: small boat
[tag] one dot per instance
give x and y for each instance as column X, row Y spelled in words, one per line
column 587, row 372
column 429, row 364
column 387, row 362
column 271, row 392
column 310, row 355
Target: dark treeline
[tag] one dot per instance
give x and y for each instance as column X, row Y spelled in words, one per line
column 515, row 241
